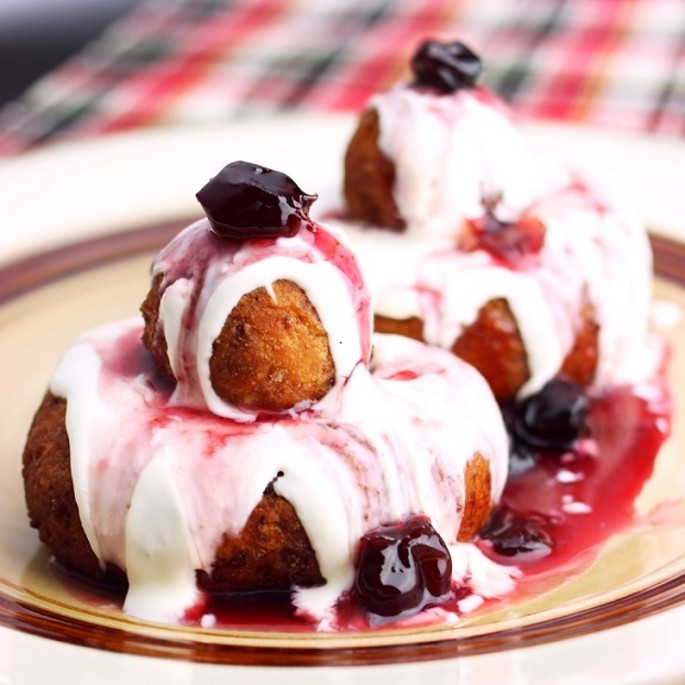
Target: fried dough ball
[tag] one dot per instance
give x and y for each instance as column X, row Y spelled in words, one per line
column 493, row 345
column 272, row 353
column 369, row 177
column 478, row 504
column 272, row 551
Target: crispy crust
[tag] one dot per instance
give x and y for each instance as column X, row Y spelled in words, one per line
column 478, row 504
column 580, row 363
column 493, row 345
column 272, row 550
column 49, row 489
column 271, row 354
column 369, row 177
column 153, row 337
column 409, row 328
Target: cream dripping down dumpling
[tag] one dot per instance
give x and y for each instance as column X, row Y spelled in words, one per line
column 473, row 243
column 187, row 492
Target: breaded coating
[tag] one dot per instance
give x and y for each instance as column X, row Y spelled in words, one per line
column 272, row 353
column 49, row 493
column 409, row 328
column 580, row 363
column 153, row 336
column 272, row 551
column 478, row 504
column 492, row 343
column 369, row 177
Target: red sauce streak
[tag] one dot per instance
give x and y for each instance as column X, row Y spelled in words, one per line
column 590, row 497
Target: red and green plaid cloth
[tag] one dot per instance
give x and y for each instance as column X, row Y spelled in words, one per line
column 611, row 63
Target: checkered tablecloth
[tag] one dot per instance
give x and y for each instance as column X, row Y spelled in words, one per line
column 610, row 63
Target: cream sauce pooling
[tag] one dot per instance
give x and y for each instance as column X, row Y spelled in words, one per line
column 193, row 476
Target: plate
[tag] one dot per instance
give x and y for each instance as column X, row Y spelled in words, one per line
column 50, row 293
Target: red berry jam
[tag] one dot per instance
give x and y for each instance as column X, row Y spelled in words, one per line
column 246, row 201
column 508, row 241
column 557, row 511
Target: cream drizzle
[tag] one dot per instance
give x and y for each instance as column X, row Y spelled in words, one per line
column 226, row 275
column 162, row 485
column 594, row 247
column 448, row 152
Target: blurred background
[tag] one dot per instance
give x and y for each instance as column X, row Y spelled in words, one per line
column 38, row 35
column 78, row 68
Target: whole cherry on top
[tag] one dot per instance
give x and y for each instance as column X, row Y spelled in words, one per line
column 445, row 67
column 247, row 201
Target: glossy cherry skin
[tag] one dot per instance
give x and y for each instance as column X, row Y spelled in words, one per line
column 554, row 418
column 402, row 568
column 445, row 67
column 522, row 535
column 245, row 201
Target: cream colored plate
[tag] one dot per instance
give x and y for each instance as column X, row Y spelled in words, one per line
column 637, row 575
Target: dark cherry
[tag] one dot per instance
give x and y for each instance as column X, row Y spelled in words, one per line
column 521, row 535
column 402, row 568
column 245, row 200
column 506, row 240
column 554, row 418
column 445, row 67
column 522, row 458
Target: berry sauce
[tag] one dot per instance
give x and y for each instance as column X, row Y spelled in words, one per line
column 561, row 504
